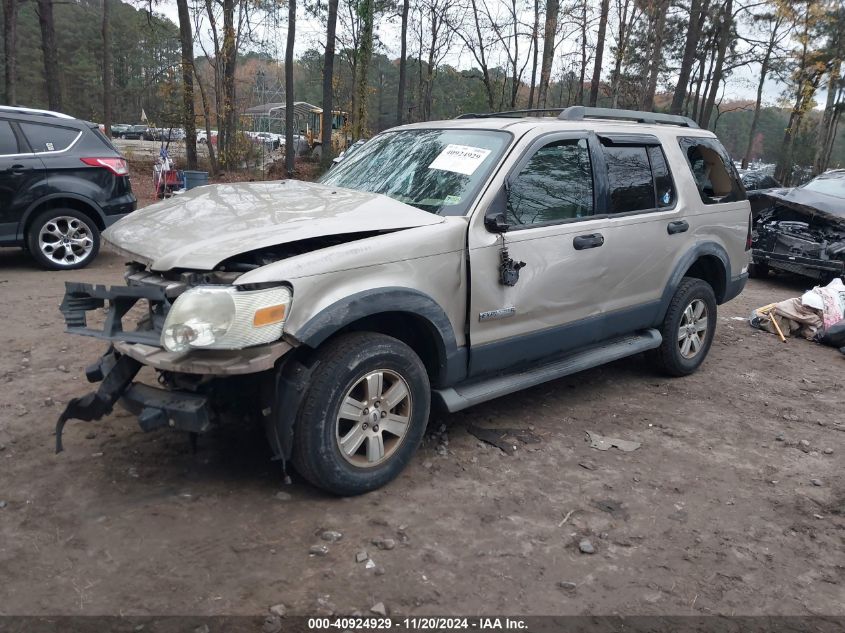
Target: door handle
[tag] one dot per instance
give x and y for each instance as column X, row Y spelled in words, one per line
column 17, row 170
column 679, row 226
column 594, row 240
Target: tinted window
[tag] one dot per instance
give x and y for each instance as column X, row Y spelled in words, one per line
column 629, row 179
column 8, row 142
column 48, row 138
column 555, row 185
column 664, row 188
column 714, row 173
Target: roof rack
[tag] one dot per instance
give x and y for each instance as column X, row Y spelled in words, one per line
column 487, row 115
column 579, row 113
column 34, row 112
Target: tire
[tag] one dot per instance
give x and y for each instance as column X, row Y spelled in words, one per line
column 347, row 373
column 63, row 239
column 123, row 137
column 694, row 306
column 758, row 271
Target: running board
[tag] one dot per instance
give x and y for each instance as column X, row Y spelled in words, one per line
column 471, row 393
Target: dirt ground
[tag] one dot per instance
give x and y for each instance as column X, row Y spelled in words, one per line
column 717, row 512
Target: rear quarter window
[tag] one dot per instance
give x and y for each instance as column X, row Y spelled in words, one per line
column 49, row 138
column 8, row 142
column 713, row 171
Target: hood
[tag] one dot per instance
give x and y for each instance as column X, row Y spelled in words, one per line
column 810, row 203
column 204, row 226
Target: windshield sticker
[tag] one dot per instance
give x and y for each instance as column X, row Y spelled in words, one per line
column 461, row 159
column 450, row 201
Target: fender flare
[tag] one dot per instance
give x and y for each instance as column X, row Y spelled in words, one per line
column 451, row 360
column 27, row 215
column 700, row 249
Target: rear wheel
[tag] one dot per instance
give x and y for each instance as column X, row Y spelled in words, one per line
column 363, row 415
column 63, row 239
column 687, row 328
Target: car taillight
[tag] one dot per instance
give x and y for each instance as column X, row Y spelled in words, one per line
column 117, row 166
column 748, row 237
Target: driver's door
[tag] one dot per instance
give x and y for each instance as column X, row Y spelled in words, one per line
column 549, row 200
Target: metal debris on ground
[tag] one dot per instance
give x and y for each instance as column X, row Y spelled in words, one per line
column 603, row 443
column 502, row 438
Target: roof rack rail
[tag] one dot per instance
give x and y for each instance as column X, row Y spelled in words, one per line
column 579, row 113
column 34, row 112
column 487, row 115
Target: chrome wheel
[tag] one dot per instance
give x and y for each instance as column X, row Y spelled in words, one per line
column 66, row 240
column 374, row 418
column 693, row 329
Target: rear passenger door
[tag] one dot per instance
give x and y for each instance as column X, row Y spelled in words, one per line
column 644, row 232
column 22, row 180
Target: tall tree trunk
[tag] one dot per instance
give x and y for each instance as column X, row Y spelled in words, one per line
column 327, row 150
column 698, row 9
column 755, row 120
column 10, row 50
column 51, row 56
column 290, row 150
column 186, row 39
column 206, row 111
column 718, row 69
column 594, row 84
column 226, row 136
column 825, row 136
column 552, row 12
column 403, row 64
column 582, row 76
column 485, row 70
column 107, row 70
column 365, row 55
column 535, row 37
column 659, row 21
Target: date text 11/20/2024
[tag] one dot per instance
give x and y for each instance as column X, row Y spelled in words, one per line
column 418, row 624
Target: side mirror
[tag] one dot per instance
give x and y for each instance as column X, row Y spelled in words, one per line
column 495, row 218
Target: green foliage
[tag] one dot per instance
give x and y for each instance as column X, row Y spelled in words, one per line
column 145, row 51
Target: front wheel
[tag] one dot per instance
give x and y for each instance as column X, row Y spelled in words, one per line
column 363, row 415
column 687, row 328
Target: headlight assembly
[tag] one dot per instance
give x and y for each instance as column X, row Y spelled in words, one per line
column 222, row 317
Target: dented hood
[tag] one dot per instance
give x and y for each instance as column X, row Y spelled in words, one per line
column 810, row 203
column 204, row 226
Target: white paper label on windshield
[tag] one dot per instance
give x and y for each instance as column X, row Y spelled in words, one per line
column 461, row 159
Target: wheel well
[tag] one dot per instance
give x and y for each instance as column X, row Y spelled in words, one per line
column 710, row 269
column 66, row 203
column 413, row 330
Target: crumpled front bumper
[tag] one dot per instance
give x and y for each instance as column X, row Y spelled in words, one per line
column 154, row 407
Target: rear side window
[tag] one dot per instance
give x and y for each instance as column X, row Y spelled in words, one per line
column 713, row 171
column 8, row 142
column 48, row 138
column 555, row 185
column 105, row 139
column 638, row 177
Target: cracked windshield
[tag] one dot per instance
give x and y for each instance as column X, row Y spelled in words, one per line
column 438, row 171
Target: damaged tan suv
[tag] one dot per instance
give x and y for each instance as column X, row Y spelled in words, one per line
column 442, row 264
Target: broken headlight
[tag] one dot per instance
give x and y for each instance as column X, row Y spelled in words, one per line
column 222, row 317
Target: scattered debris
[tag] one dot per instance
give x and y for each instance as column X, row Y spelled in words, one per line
column 567, row 586
column 384, row 543
column 369, row 564
column 279, row 610
column 603, row 443
column 816, row 482
column 3, row 504
column 614, row 508
column 588, row 465
column 586, row 547
column 379, row 608
column 272, row 624
column 90, row 435
column 283, row 496
column 828, row 451
column 780, row 437
column 503, row 439
column 331, row 536
column 360, row 557
column 566, row 518
column 379, row 571
column 318, row 550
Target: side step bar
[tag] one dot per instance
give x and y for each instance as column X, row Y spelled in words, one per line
column 471, row 393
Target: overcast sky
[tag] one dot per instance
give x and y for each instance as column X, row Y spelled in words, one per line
column 742, row 84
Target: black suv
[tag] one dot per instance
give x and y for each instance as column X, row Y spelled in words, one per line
column 61, row 183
